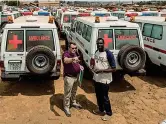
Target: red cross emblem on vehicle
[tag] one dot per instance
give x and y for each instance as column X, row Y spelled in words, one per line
column 66, row 19
column 107, row 40
column 15, row 41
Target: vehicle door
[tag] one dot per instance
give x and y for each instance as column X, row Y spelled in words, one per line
column 124, row 36
column 158, row 36
column 151, row 46
column 39, row 36
column 72, row 35
column 14, row 55
column 83, row 40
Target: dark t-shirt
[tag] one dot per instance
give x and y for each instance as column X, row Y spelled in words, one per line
column 72, row 68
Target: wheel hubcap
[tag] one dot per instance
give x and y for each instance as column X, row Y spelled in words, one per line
column 133, row 59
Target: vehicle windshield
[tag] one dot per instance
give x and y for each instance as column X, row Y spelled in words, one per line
column 39, row 37
column 121, row 36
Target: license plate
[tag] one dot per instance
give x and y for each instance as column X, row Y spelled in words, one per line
column 15, row 66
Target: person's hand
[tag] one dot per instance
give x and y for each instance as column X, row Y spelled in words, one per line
column 97, row 71
column 76, row 60
column 81, row 67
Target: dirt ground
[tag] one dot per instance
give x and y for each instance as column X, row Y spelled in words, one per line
column 137, row 100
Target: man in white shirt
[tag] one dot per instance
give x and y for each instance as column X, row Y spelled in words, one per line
column 104, row 66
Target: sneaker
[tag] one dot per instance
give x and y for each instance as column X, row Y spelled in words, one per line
column 105, row 117
column 98, row 112
column 76, row 105
column 67, row 112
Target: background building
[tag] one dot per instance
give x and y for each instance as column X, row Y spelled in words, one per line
column 47, row 3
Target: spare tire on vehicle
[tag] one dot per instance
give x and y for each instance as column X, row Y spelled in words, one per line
column 40, row 60
column 131, row 58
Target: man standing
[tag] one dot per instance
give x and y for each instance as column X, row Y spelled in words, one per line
column 71, row 71
column 104, row 66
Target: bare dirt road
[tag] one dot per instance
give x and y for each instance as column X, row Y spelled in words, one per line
column 137, row 100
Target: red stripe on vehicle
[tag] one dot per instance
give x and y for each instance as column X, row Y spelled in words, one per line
column 148, row 46
column 154, row 48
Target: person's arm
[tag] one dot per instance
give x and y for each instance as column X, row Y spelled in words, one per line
column 68, row 60
column 105, row 70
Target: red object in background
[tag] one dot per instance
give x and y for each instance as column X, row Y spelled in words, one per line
column 66, row 19
column 27, row 13
column 107, row 40
column 83, row 14
column 115, row 9
column 131, row 14
column 15, row 41
column 36, row 9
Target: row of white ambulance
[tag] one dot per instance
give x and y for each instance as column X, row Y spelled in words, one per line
column 30, row 46
column 133, row 41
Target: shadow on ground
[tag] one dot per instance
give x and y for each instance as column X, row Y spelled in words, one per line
column 121, row 86
column 57, row 100
column 155, row 76
column 115, row 86
column 27, row 87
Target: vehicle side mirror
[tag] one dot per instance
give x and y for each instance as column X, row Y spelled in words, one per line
column 73, row 29
column 2, row 31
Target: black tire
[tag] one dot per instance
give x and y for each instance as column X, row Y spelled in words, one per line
column 126, row 55
column 45, row 54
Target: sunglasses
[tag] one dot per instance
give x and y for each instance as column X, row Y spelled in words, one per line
column 74, row 48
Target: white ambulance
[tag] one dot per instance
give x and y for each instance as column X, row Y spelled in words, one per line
column 153, row 31
column 65, row 19
column 30, row 47
column 122, row 38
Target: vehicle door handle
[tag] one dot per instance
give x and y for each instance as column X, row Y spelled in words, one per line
column 86, row 51
column 20, row 54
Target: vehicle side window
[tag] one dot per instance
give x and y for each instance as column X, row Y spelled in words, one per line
column 88, row 34
column 147, row 29
column 107, row 35
column 15, row 41
column 84, row 32
column 80, row 28
column 73, row 25
column 157, row 32
column 153, row 31
column 77, row 27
